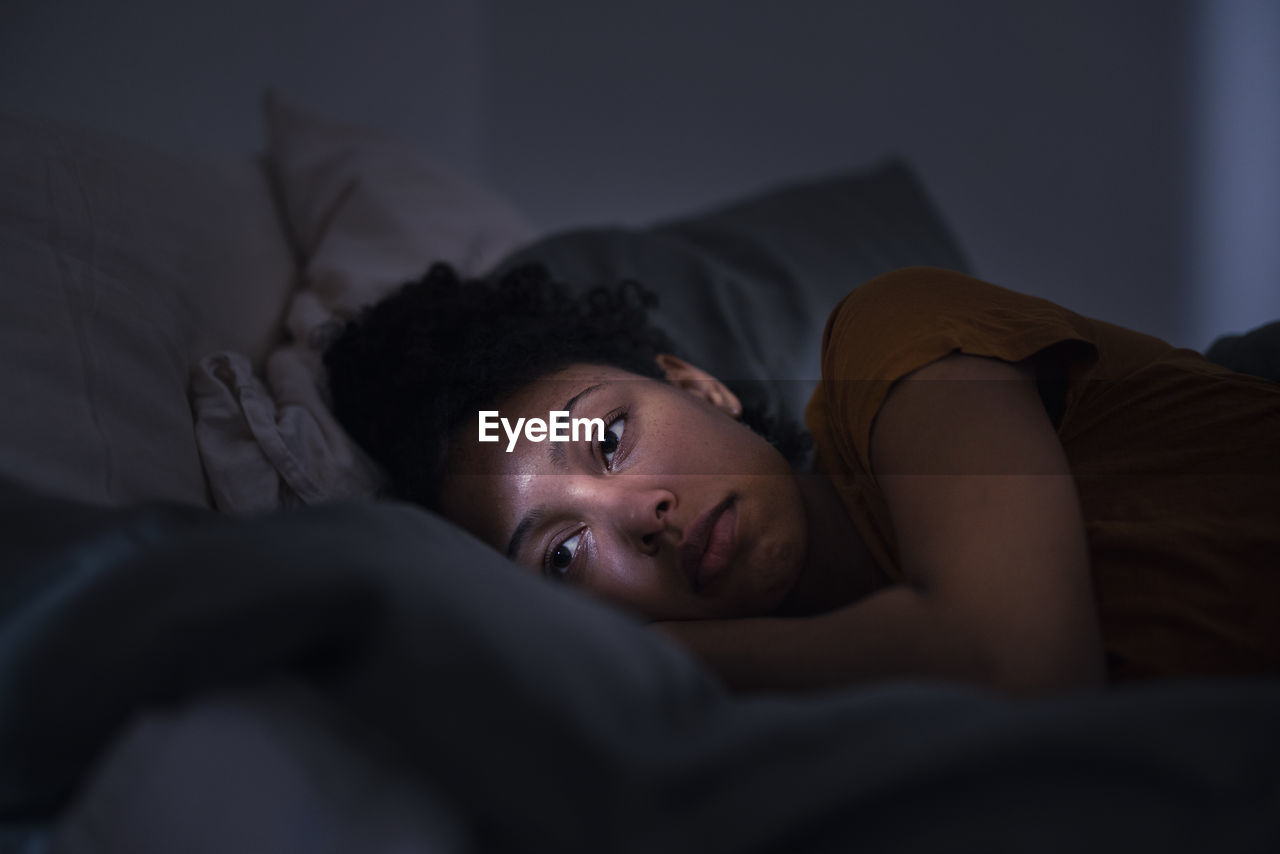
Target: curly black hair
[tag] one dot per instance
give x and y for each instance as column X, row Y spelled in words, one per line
column 406, row 374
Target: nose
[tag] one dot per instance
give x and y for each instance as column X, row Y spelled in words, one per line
column 641, row 513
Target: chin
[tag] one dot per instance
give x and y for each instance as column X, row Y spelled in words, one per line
column 781, row 572
column 771, row 581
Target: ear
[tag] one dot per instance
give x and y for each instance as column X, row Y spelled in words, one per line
column 699, row 383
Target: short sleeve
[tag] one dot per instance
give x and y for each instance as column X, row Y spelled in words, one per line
column 902, row 321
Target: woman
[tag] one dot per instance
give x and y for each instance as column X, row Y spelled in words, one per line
column 1004, row 492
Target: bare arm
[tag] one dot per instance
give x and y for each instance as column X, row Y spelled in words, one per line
column 990, row 539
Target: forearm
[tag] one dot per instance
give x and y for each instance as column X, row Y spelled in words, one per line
column 895, row 633
column 885, row 635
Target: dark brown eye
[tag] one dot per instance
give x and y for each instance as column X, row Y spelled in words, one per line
column 612, row 438
column 561, row 557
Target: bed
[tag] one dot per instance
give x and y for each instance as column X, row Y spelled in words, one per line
column 217, row 636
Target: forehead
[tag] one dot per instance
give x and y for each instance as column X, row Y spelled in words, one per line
column 537, row 398
column 485, row 485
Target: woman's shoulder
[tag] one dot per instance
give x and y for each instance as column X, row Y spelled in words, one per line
column 903, row 320
column 891, row 295
column 918, row 285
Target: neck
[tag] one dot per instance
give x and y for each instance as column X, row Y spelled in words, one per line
column 838, row 569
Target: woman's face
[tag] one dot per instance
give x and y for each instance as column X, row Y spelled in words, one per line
column 680, row 513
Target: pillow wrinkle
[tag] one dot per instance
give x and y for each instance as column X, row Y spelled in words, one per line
column 319, row 444
column 268, row 426
column 267, row 447
column 329, row 214
column 307, row 316
column 239, row 474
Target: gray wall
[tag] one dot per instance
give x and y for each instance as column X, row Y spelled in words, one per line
column 1077, row 146
column 1053, row 134
column 1235, row 204
column 188, row 75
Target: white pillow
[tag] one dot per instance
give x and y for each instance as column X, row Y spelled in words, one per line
column 119, row 265
column 367, row 211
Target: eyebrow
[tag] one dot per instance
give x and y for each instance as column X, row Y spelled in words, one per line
column 556, row 451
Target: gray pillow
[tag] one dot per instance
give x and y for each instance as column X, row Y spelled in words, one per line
column 745, row 289
column 119, row 266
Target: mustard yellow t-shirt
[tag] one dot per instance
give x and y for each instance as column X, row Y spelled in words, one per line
column 1176, row 461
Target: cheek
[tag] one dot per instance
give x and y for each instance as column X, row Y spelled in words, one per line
column 777, row 550
column 781, row 540
column 615, row 572
column 636, row 583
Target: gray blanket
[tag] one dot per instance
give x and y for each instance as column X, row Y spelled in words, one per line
column 468, row 706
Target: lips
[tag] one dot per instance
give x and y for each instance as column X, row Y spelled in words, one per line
column 709, row 543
